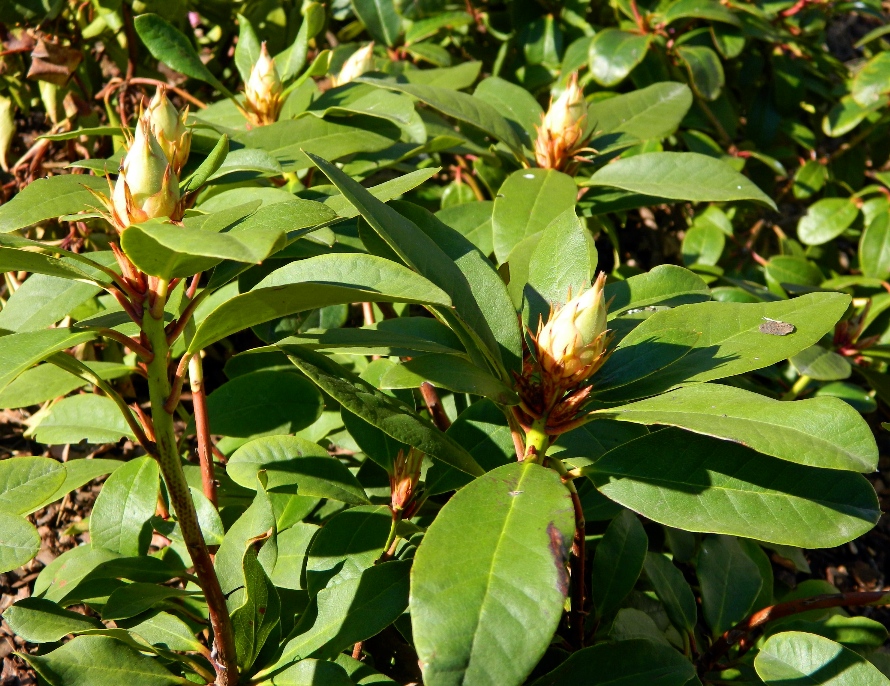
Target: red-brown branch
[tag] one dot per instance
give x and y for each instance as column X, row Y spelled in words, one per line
column 434, row 405
column 202, row 427
column 579, row 554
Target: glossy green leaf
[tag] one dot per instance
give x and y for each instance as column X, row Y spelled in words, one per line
column 783, row 271
column 380, row 19
column 526, row 203
column 650, row 113
column 50, row 198
column 163, row 630
column 666, row 285
column 515, row 103
column 451, row 373
column 380, row 410
column 19, row 541
column 126, row 503
column 679, row 176
column 625, row 663
column 88, row 416
column 134, row 599
column 27, row 481
column 100, row 661
column 473, row 221
column 41, row 621
column 513, row 527
column 874, row 248
column 247, row 49
column 818, row 432
column 857, row 397
column 717, row 487
column 295, row 465
column 826, row 219
column 169, row 45
column 672, row 589
column 614, row 54
column 316, row 282
column 47, row 381
column 730, row 582
column 872, row 80
column 618, row 562
column 43, row 300
column 703, row 245
column 821, row 364
column 809, row 179
column 699, row 9
column 388, row 190
column 312, row 673
column 705, row 69
column 293, row 545
column 792, row 657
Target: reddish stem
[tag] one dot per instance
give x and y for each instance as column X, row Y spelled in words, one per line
column 202, row 427
column 434, row 405
column 578, row 561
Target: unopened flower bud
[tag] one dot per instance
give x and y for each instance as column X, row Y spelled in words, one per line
column 403, row 482
column 572, row 345
column 146, row 186
column 562, row 129
column 263, row 90
column 168, row 127
column 359, row 62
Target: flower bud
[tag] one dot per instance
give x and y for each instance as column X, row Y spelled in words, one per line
column 572, row 345
column 263, row 90
column 146, row 186
column 403, row 482
column 562, row 129
column 168, row 127
column 359, row 62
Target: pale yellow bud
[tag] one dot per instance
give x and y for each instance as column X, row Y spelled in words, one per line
column 146, row 187
column 562, row 129
column 359, row 62
column 572, row 344
column 403, row 481
column 168, row 127
column 263, row 90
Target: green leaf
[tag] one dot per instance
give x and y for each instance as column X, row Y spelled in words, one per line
column 247, row 49
column 699, row 9
column 449, row 372
column 47, row 381
column 665, row 285
column 625, row 663
column 41, row 621
column 821, row 364
column 134, row 599
column 673, row 590
column 515, row 103
column 20, row 351
column 872, row 80
column 826, row 219
column 703, row 245
column 312, row 673
column 856, row 396
column 730, row 582
column 380, row 410
column 100, row 661
column 787, row 270
column 163, row 630
column 208, row 167
column 818, row 432
column 19, row 541
column 618, row 562
column 12, row 260
column 127, row 501
column 792, row 657
column 716, row 487
column 725, row 340
column 90, row 417
column 461, row 106
column 27, row 481
column 650, row 113
column 388, row 190
column 348, row 544
column 293, row 545
column 262, row 403
column 874, row 248
column 42, row 300
column 809, row 179
column 614, row 54
column 526, row 203
column 705, row 69
column 846, row 115
column 294, row 465
column 380, row 18
column 50, row 198
column 513, row 527
column 349, row 612
column 316, row 282
column 169, row 45
column 679, row 176
column 472, row 220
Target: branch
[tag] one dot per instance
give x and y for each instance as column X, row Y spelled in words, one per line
column 125, row 340
column 202, row 427
column 434, row 405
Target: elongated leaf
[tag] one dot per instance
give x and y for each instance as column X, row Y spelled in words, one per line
column 85, row 417
column 679, row 176
column 41, row 621
column 826, row 219
column 42, row 300
column 19, row 541
column 169, row 45
column 47, row 381
column 666, row 285
column 673, row 590
column 727, row 341
column 312, row 672
column 705, row 69
column 874, row 247
column 165, row 631
column 794, row 657
column 699, row 484
column 208, row 167
column 348, row 612
column 625, row 663
column 452, row 373
column 515, row 103
column 459, row 105
column 526, row 203
column 134, row 599
column 294, row 465
column 12, row 260
column 380, row 18
column 50, row 198
column 488, row 614
column 384, row 192
column 819, row 432
column 247, row 50
column 100, row 661
column 20, row 351
column 614, row 54
column 27, row 481
column 380, row 410
column 618, row 562
column 127, row 501
column 649, row 113
column 316, row 282
column 730, row 582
